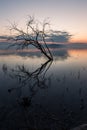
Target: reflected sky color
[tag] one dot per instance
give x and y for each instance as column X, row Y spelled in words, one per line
column 71, row 57
column 67, row 15
column 60, row 92
column 79, row 55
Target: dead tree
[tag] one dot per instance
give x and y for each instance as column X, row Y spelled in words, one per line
column 35, row 35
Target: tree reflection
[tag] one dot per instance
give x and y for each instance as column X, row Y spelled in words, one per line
column 33, row 79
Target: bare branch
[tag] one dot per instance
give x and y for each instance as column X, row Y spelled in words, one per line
column 33, row 36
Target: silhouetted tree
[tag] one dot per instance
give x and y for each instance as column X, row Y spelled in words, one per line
column 35, row 35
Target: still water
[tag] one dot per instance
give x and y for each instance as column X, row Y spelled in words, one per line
column 37, row 94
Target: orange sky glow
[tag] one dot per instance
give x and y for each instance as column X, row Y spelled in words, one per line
column 64, row 15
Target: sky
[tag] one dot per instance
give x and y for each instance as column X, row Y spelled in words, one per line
column 64, row 15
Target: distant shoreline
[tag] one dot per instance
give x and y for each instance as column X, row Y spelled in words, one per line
column 4, row 46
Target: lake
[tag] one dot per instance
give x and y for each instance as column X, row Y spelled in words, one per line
column 37, row 94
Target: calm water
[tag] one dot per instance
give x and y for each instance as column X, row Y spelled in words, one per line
column 37, row 94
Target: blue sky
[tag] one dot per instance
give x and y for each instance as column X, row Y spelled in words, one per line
column 64, row 15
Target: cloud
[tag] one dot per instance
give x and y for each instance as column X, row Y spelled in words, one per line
column 3, row 37
column 52, row 36
column 58, row 36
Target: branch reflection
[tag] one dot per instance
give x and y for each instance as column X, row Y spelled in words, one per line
column 34, row 80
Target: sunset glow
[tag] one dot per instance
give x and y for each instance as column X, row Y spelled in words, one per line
column 64, row 15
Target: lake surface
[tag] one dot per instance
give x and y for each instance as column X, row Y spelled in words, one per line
column 36, row 94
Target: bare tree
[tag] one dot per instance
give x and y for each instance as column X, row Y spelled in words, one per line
column 35, row 35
